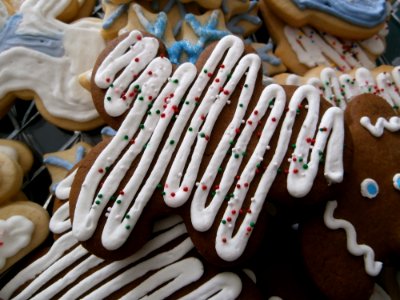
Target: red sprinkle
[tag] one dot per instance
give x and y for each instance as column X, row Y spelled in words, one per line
column 137, row 59
column 122, row 193
column 108, row 79
column 224, row 240
column 172, row 194
column 246, row 184
column 101, row 170
column 185, row 189
column 226, row 92
column 150, row 73
column 139, row 37
column 273, row 119
column 256, row 112
column 204, row 187
column 229, row 219
column 233, row 212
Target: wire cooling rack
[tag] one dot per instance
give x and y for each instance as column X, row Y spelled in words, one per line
column 24, row 123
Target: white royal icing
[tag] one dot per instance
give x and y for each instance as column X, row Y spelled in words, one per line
column 180, row 182
column 372, row 267
column 314, row 48
column 53, row 79
column 339, row 90
column 377, row 130
column 169, row 267
column 15, row 234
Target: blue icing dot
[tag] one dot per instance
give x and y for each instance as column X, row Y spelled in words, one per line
column 372, row 189
column 398, row 182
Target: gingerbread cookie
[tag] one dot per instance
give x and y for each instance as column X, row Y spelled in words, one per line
column 166, row 266
column 39, row 52
column 362, row 223
column 134, row 177
column 304, row 48
column 348, row 20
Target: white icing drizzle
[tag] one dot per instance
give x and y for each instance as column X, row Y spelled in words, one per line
column 169, row 265
column 381, row 124
column 372, row 267
column 132, row 57
column 222, row 286
column 314, row 48
column 87, row 213
column 64, row 186
column 60, row 221
column 15, row 234
column 174, row 277
column 179, row 186
column 58, row 249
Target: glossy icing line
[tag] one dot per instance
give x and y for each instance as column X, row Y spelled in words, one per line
column 365, row 13
column 15, row 234
column 377, row 130
column 372, row 267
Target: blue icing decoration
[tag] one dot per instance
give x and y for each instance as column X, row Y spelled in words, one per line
column 263, row 53
column 398, row 182
column 58, row 162
column 121, row 9
column 366, row 13
column 108, row 131
column 80, row 153
column 159, row 26
column 176, row 50
column 372, row 189
column 167, row 8
column 9, row 38
column 233, row 23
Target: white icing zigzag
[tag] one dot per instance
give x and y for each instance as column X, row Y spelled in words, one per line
column 164, row 104
column 372, row 267
column 381, row 124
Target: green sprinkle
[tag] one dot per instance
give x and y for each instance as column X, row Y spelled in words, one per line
column 158, row 111
column 190, row 129
column 223, row 222
column 293, row 146
column 97, row 202
column 220, row 170
column 202, row 134
column 205, row 71
column 126, row 137
column 137, row 86
column 187, row 102
column 119, row 201
column 163, row 193
column 112, row 198
column 252, row 224
column 300, row 159
column 236, row 155
column 150, row 105
column 127, row 217
column 128, row 227
column 229, row 75
column 395, row 107
column 246, row 85
column 175, row 81
column 159, row 186
column 244, row 153
column 108, row 98
column 141, row 98
column 107, row 169
column 100, row 196
column 305, row 166
column 240, row 105
column 171, row 142
column 111, row 85
column 141, row 126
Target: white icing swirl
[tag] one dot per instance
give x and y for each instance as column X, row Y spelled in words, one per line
column 381, row 124
column 372, row 267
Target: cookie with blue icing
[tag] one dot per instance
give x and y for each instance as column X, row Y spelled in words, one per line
column 346, row 245
column 346, row 19
column 304, row 48
column 42, row 58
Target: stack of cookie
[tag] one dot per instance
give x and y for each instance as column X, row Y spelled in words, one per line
column 207, row 183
